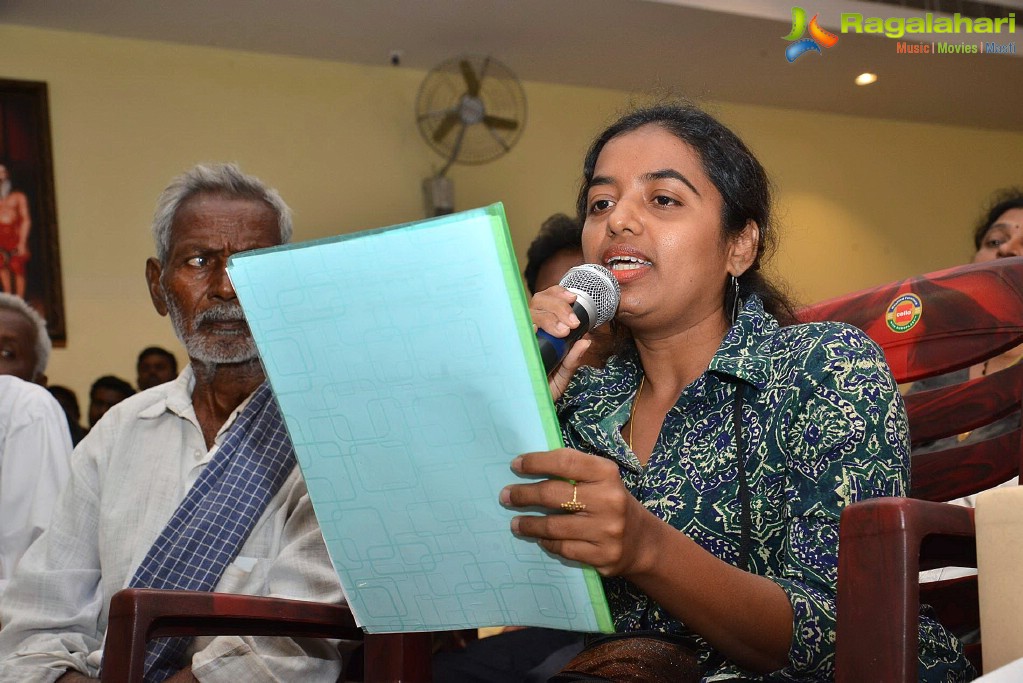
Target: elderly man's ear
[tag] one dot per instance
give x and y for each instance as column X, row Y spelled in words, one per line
column 153, row 272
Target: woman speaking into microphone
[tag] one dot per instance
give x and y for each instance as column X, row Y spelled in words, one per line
column 708, row 462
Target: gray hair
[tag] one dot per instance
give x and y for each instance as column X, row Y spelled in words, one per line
column 224, row 180
column 43, row 346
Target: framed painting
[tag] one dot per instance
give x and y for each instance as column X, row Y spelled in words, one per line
column 29, row 249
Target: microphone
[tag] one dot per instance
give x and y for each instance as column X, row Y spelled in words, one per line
column 597, row 295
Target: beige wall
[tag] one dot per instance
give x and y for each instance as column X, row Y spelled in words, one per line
column 861, row 201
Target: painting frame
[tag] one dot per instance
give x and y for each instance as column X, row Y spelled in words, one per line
column 26, row 153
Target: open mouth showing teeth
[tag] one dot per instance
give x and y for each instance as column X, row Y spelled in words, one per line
column 626, row 263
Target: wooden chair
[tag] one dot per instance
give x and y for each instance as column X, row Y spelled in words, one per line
column 138, row 615
column 927, row 325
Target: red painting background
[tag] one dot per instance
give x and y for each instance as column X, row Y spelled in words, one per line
column 25, row 150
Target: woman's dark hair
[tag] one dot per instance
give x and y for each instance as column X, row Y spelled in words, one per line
column 740, row 179
column 1006, row 199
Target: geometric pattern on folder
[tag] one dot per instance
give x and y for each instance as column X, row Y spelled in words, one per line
column 405, row 365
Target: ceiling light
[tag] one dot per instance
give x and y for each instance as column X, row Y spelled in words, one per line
column 866, row 78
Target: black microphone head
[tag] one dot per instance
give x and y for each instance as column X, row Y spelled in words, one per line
column 596, row 289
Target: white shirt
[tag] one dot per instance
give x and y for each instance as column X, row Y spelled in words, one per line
column 35, row 447
column 128, row 476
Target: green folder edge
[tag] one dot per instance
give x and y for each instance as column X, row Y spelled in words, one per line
column 523, row 323
column 552, row 430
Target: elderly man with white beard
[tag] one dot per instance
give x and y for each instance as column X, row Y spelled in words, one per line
column 190, row 484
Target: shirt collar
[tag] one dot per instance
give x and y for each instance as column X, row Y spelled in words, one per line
column 598, row 401
column 177, row 396
column 177, row 399
column 742, row 354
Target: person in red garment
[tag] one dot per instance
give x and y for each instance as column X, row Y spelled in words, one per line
column 15, row 225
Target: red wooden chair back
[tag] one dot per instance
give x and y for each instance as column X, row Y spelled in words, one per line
column 927, row 325
column 139, row 615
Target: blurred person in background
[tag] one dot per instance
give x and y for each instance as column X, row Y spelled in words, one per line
column 155, row 365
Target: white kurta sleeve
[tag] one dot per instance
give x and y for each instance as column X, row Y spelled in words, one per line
column 52, row 603
column 34, row 456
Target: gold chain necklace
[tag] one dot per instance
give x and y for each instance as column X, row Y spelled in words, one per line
column 635, row 409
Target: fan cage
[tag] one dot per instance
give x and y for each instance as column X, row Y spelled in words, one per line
column 501, row 94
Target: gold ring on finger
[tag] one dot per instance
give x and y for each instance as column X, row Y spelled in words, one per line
column 573, row 505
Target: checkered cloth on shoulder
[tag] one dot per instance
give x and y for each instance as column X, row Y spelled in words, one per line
column 220, row 510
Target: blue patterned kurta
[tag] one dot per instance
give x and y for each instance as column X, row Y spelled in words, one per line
column 823, row 425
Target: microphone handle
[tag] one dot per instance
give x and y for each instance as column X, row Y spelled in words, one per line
column 554, row 349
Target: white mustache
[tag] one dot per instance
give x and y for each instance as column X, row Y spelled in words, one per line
column 219, row 314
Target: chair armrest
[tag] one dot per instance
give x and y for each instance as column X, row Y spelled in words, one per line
column 138, row 615
column 878, row 601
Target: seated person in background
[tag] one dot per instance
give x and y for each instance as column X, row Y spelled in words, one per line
column 69, row 403
column 709, row 460
column 34, row 450
column 105, row 393
column 998, row 234
column 155, row 365
column 152, row 499
column 24, row 342
column 555, row 250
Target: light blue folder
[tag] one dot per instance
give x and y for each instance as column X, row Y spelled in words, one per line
column 406, row 367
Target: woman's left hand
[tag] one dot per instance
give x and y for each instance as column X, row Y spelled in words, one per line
column 612, row 534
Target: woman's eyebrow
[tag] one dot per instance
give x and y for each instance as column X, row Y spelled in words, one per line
column 672, row 173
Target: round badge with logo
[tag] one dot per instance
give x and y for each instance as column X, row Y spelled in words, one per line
column 904, row 313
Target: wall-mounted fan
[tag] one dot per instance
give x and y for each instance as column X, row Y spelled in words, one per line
column 470, row 110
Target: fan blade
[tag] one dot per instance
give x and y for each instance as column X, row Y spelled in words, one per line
column 435, row 114
column 445, row 126
column 472, row 83
column 498, row 139
column 500, row 122
column 455, row 150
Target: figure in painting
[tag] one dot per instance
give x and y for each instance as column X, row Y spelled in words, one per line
column 15, row 224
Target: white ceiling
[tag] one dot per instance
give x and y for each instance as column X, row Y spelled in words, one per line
column 726, row 51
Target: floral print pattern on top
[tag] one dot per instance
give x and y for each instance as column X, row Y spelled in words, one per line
column 823, row 426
